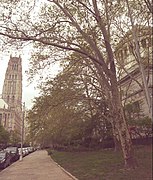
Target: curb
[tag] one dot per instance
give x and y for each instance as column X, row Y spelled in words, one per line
column 69, row 174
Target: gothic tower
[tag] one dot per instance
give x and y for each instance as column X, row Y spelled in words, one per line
column 12, row 87
column 12, row 92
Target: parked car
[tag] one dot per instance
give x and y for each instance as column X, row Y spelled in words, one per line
column 25, row 149
column 19, row 149
column 14, row 153
column 23, row 152
column 30, row 149
column 5, row 159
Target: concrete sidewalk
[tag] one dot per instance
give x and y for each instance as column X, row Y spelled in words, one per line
column 35, row 166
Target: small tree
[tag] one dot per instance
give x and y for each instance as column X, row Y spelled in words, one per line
column 14, row 138
column 4, row 136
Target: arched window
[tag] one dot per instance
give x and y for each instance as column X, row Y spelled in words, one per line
column 13, row 98
column 8, row 98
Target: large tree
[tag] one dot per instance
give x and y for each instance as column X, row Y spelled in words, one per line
column 86, row 27
column 73, row 105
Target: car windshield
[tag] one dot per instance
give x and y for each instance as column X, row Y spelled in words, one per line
column 2, row 155
column 12, row 149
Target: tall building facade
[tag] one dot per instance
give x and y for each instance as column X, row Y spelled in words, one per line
column 11, row 115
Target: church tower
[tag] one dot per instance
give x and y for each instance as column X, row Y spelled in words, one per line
column 12, row 87
column 12, row 92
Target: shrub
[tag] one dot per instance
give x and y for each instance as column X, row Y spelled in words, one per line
column 49, row 152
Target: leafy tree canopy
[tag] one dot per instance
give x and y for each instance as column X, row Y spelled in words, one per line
column 4, row 136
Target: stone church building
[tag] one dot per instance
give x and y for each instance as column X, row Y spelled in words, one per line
column 11, row 100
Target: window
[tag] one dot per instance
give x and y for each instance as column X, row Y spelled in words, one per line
column 8, row 98
column 149, row 42
column 0, row 118
column 14, row 86
column 5, row 118
column 136, row 106
column 8, row 116
column 118, row 55
column 125, row 51
column 131, row 48
column 13, row 98
column 121, row 54
column 143, row 42
column 16, row 67
column 9, row 86
column 122, row 93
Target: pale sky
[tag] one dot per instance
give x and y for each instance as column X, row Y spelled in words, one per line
column 29, row 91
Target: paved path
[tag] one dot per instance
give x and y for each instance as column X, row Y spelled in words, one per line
column 36, row 166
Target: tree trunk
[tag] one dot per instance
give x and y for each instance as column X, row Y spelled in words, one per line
column 117, row 145
column 122, row 128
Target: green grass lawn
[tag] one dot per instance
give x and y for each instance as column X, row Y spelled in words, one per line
column 105, row 164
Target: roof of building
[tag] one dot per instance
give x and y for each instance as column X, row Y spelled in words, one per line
column 140, row 30
column 3, row 104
